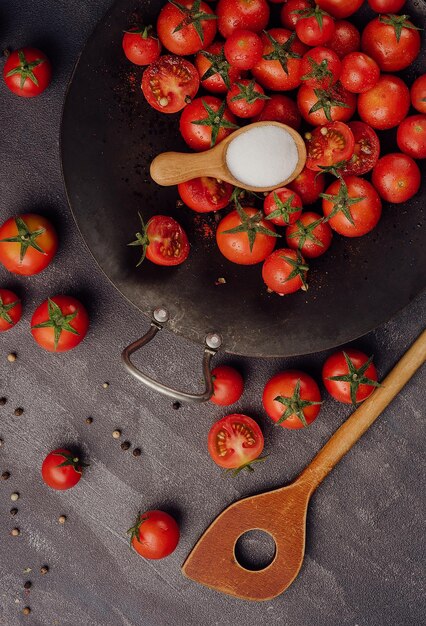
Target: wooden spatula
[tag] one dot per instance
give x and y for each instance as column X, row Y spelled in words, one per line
column 282, row 512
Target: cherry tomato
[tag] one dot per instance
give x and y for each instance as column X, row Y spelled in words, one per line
column 155, row 534
column 27, row 72
column 186, row 28
column 386, row 6
column 235, row 15
column 411, row 136
column 246, row 247
column 321, row 67
column 292, row 399
column 206, row 122
column 386, row 104
column 282, row 206
column 243, row 49
column 280, row 108
column 346, row 38
column 280, row 67
column 28, row 244
column 228, row 385
column 328, row 145
column 205, row 194
column 392, row 41
column 170, row 83
column 235, row 441
column 290, row 12
column 319, row 106
column 141, row 46
column 351, row 206
column 216, row 74
column 359, row 72
column 246, row 99
column 163, row 241
column 349, row 376
column 308, row 185
column 396, row 177
column 310, row 234
column 418, row 94
column 10, row 309
column 366, row 150
column 340, row 8
column 59, row 324
column 284, row 271
column 315, row 27
column 62, row 469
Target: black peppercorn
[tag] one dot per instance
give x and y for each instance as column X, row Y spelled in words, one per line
column 137, row 452
column 18, row 412
column 125, row 445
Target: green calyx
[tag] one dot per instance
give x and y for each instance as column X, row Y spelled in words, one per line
column 219, row 65
column 398, row 22
column 249, row 93
column 141, row 240
column 25, row 237
column 281, row 52
column 306, row 233
column 315, row 12
column 284, row 209
column 4, row 310
column 134, row 530
column 193, row 16
column 71, row 459
column 250, row 225
column 355, row 377
column 216, row 120
column 319, row 71
column 245, row 466
column 25, row 69
column 58, row 321
column 299, row 269
column 341, row 202
column 335, row 169
column 144, row 31
column 326, row 99
column 294, row 405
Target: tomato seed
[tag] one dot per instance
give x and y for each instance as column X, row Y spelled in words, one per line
column 89, row 420
column 11, row 357
column 26, row 610
column 44, row 569
column 62, row 519
column 116, row 434
column 15, row 532
column 14, row 497
column 105, row 385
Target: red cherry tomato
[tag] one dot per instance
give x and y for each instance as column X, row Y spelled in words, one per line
column 282, row 206
column 359, row 72
column 216, row 74
column 386, row 6
column 62, row 469
column 27, row 72
column 228, row 385
column 235, row 441
column 309, row 185
column 155, row 534
column 386, row 104
column 187, row 28
column 282, row 109
column 355, row 373
column 205, row 194
column 321, row 67
column 241, row 15
column 290, row 12
column 243, row 49
column 346, row 38
column 319, row 106
column 418, row 94
column 411, row 136
column 205, row 122
column 329, row 145
column 170, row 83
column 59, row 324
column 392, row 41
column 340, row 8
column 310, row 234
column 28, row 244
column 163, row 241
column 236, row 247
column 284, row 271
column 292, row 399
column 10, row 309
column 366, row 150
column 315, row 27
column 246, row 99
column 280, row 67
column 141, row 46
column 396, row 177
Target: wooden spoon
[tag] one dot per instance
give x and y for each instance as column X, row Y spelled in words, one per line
column 282, row 512
column 172, row 168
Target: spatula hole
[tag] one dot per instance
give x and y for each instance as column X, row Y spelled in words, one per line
column 255, row 550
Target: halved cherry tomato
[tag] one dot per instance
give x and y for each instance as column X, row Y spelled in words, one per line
column 366, row 150
column 186, row 26
column 282, row 109
column 163, row 241
column 392, row 41
column 206, row 122
column 340, row 8
column 310, row 234
column 241, row 14
column 170, row 83
column 411, row 136
column 27, row 72
column 10, row 309
column 282, row 206
column 314, row 26
column 349, row 376
column 244, row 237
column 290, row 12
column 246, row 99
column 319, row 106
column 62, row 469
column 321, row 67
column 141, row 46
column 235, row 442
column 155, row 534
column 284, row 271
column 396, row 177
column 386, row 104
column 280, row 67
column 359, row 72
column 205, row 194
column 243, row 49
column 329, row 145
column 59, row 324
column 346, row 38
column 292, row 399
column 28, row 244
column 308, row 185
column 228, row 385
column 418, row 94
column 216, row 74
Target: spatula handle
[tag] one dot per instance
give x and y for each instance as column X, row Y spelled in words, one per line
column 354, row 427
column 172, row 168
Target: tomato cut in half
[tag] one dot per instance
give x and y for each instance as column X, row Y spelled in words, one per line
column 62, row 469
column 170, row 83
column 235, row 442
column 284, row 271
column 308, row 185
column 228, row 385
column 163, row 241
column 10, row 309
column 329, row 145
column 28, row 244
column 205, row 194
column 292, row 399
column 154, row 535
column 366, row 151
column 310, row 234
column 349, row 376
column 60, row 323
column 282, row 206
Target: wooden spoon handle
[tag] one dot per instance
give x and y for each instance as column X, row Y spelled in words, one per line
column 354, row 427
column 172, row 168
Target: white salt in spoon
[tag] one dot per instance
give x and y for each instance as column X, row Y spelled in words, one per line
column 258, row 157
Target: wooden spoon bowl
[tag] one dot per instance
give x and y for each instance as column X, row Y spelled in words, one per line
column 172, row 168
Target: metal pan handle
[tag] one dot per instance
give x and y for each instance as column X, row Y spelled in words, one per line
column 213, row 343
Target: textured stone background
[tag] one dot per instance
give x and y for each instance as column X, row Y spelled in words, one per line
column 365, row 550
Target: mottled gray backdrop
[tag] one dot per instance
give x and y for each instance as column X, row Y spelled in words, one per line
column 365, row 550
